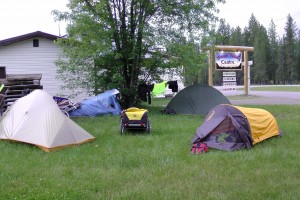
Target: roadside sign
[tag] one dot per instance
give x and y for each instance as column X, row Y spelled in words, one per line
column 229, row 80
column 229, row 73
column 249, row 63
column 228, row 60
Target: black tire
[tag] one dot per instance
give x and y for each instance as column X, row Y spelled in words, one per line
column 148, row 129
column 122, row 127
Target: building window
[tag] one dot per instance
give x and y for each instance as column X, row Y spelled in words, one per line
column 35, row 43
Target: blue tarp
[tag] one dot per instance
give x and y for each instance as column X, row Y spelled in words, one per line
column 104, row 103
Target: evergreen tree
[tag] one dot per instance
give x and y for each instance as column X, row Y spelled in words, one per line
column 280, row 75
column 250, row 33
column 222, row 35
column 236, row 39
column 290, row 50
column 272, row 62
column 261, row 45
column 246, row 37
column 298, row 55
column 253, row 26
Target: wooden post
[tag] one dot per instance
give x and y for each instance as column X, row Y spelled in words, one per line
column 246, row 86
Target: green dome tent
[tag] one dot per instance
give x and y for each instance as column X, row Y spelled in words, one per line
column 197, row 100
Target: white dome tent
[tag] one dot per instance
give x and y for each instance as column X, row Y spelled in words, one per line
column 36, row 119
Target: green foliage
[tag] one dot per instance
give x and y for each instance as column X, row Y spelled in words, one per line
column 261, row 46
column 289, row 49
column 281, row 69
column 189, row 56
column 223, row 33
column 236, row 37
column 120, row 43
column 276, row 59
column 273, row 53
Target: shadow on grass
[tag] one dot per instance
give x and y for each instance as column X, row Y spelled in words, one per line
column 135, row 132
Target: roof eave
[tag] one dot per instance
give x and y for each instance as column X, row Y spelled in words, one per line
column 27, row 37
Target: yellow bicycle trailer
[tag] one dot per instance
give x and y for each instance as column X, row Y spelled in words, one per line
column 135, row 118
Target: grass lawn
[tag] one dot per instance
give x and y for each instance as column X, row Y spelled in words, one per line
column 292, row 88
column 156, row 166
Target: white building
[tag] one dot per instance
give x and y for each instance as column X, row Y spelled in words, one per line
column 33, row 53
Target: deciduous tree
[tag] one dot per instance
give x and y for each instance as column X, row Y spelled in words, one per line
column 116, row 43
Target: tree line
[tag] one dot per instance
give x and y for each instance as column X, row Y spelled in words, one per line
column 276, row 57
column 123, row 43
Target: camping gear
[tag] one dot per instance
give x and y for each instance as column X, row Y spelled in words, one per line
column 135, row 118
column 15, row 86
column 228, row 127
column 145, row 91
column 36, row 119
column 196, row 100
column 66, row 105
column 173, row 85
column 104, row 103
column 199, row 148
column 159, row 88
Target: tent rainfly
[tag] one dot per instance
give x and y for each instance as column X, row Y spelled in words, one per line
column 36, row 119
column 196, row 100
column 228, row 127
column 104, row 103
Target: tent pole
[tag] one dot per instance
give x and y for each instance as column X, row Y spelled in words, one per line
column 246, row 73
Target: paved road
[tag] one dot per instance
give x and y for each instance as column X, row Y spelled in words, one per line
column 262, row 97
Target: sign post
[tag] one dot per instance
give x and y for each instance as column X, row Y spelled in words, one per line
column 230, row 48
column 246, row 86
column 249, row 77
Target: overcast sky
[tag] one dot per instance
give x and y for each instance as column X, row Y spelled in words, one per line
column 238, row 12
column 19, row 17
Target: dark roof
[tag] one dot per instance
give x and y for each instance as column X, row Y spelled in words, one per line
column 26, row 37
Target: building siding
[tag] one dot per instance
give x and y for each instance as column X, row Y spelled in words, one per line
column 23, row 58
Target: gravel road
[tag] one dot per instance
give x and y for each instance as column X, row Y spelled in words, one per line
column 261, row 97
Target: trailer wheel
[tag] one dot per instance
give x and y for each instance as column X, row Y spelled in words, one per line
column 148, row 126
column 122, row 127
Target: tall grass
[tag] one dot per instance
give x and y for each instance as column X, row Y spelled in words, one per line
column 155, row 166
